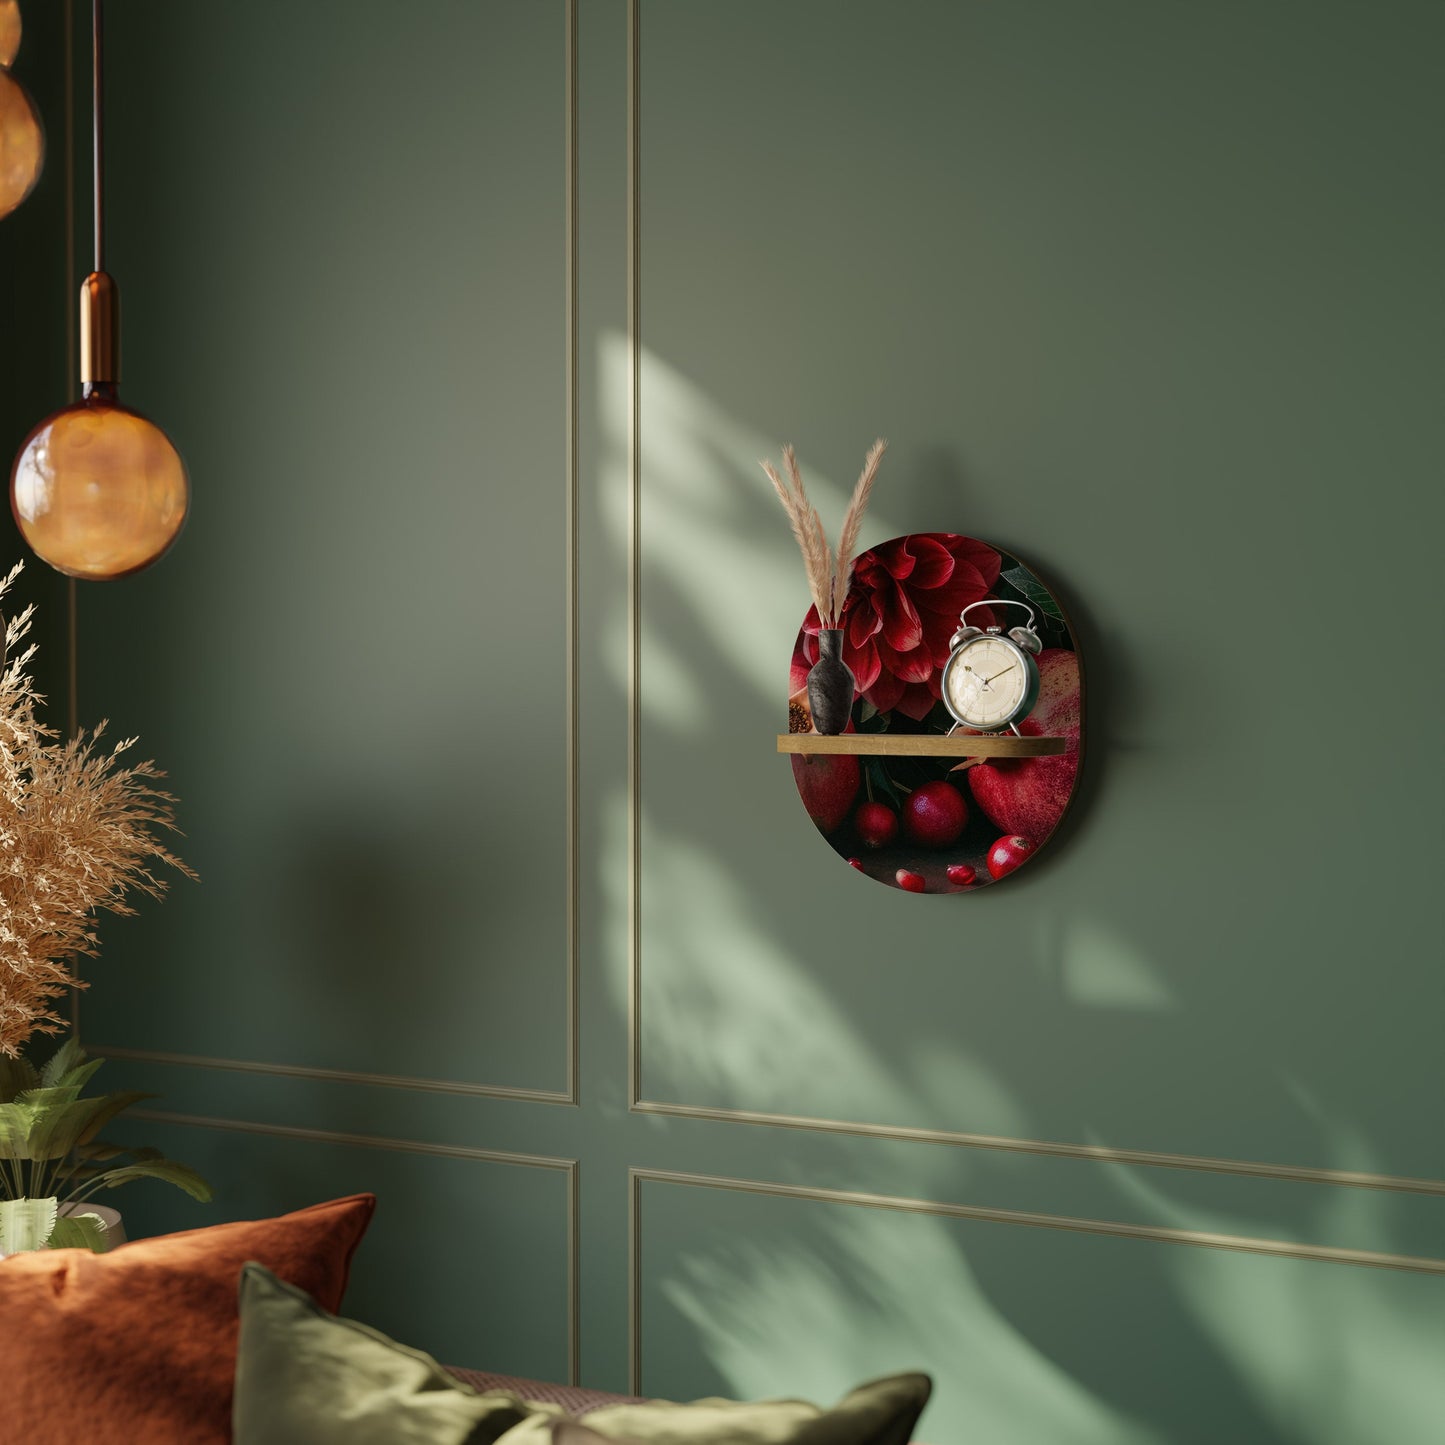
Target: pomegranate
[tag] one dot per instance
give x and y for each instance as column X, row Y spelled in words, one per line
column 877, row 824
column 911, row 882
column 1006, row 855
column 934, row 814
column 827, row 784
column 961, row 873
column 1028, row 795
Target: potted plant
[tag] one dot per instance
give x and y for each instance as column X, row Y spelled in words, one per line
column 52, row 1161
column 79, row 834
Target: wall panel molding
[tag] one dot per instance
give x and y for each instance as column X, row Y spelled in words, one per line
column 568, row 1094
column 338, row 1076
column 1308, row 1174
column 1200, row 1239
column 569, row 1168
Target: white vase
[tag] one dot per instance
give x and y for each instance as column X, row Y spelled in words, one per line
column 114, row 1227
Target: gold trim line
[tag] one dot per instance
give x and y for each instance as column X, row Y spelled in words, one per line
column 574, row 868
column 903, row 1133
column 1239, row 1244
column 338, row 1076
column 569, row 1167
column 634, row 548
column 1101, row 1153
column 568, row 1094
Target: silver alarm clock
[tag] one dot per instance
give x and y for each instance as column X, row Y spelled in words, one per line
column 991, row 681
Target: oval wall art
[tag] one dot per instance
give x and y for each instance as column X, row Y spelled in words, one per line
column 909, row 794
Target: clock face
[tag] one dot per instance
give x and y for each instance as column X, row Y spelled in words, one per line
column 986, row 681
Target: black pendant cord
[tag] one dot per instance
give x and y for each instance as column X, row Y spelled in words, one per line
column 97, row 130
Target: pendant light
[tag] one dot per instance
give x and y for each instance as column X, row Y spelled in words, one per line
column 22, row 139
column 98, row 491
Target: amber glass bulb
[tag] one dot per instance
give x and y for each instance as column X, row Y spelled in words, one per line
column 22, row 144
column 98, row 491
column 9, row 30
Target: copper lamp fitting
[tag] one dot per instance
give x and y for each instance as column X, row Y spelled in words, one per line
column 99, row 329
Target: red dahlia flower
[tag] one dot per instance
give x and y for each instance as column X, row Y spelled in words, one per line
column 902, row 609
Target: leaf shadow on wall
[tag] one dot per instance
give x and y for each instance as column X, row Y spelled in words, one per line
column 1059, row 1047
column 1013, row 974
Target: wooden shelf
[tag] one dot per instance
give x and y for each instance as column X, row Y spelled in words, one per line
column 923, row 745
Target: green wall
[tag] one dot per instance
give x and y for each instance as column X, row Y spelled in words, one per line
column 1142, row 1147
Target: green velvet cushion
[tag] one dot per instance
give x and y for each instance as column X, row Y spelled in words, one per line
column 305, row 1377
column 881, row 1413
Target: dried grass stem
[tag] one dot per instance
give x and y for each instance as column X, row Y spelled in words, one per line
column 828, row 572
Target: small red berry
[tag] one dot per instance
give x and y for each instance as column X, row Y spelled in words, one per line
column 1007, row 854
column 911, row 882
column 877, row 824
column 961, row 873
column 856, row 863
column 934, row 814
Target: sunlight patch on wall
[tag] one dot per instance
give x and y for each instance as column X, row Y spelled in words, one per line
column 1334, row 1354
column 715, row 543
column 1101, row 969
column 754, row 1305
column 739, row 993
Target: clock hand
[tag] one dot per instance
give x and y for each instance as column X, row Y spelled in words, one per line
column 988, row 680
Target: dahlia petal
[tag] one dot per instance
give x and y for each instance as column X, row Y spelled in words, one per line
column 966, row 585
column 868, row 571
column 915, row 701
column 896, row 558
column 979, row 555
column 864, row 622
column 933, row 562
column 865, row 664
column 940, row 645
column 885, row 692
column 915, row 665
column 901, row 626
column 801, row 664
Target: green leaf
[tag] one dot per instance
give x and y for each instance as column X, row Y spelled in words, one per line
column 16, row 1075
column 1033, row 591
column 81, row 1075
column 67, row 1057
column 114, row 1104
column 102, row 1153
column 26, row 1224
column 57, row 1129
column 181, row 1175
column 78, row 1231
column 16, row 1121
column 39, row 1099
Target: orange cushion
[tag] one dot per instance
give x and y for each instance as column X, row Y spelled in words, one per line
column 140, row 1344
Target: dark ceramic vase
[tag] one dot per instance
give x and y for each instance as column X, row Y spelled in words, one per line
column 830, row 684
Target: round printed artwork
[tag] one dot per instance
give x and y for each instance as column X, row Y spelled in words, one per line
column 945, row 823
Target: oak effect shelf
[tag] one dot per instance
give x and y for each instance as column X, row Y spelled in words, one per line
column 923, row 745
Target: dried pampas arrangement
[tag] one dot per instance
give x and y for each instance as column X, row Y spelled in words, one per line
column 77, row 834
column 828, row 572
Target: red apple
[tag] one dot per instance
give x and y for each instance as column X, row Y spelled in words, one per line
column 1029, row 795
column 827, row 784
column 1006, row 855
